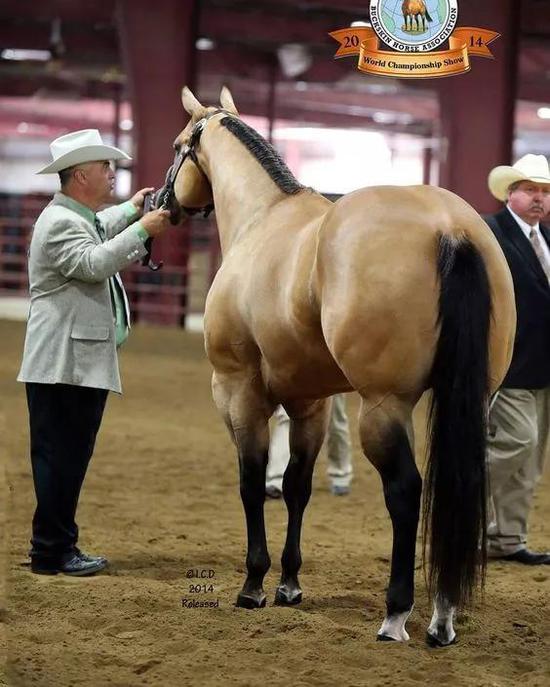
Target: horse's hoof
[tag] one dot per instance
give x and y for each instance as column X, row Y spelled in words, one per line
column 287, row 597
column 250, row 601
column 438, row 642
column 273, row 492
column 385, row 638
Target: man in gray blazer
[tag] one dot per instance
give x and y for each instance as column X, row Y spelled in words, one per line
column 78, row 318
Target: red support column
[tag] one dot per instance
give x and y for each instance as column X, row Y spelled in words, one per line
column 158, row 48
column 477, row 109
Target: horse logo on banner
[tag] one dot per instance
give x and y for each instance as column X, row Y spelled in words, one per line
column 416, row 16
column 413, row 25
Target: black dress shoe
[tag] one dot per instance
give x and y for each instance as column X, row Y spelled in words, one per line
column 527, row 557
column 90, row 559
column 76, row 566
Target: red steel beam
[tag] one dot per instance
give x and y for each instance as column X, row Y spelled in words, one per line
column 90, row 11
column 158, row 44
column 477, row 109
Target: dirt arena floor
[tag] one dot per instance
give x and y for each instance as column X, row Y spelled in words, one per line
column 161, row 499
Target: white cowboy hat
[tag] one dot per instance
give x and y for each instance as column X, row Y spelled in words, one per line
column 528, row 168
column 78, row 147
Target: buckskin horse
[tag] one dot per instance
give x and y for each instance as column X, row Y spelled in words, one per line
column 389, row 291
column 416, row 14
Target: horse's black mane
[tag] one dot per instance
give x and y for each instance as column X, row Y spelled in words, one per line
column 265, row 153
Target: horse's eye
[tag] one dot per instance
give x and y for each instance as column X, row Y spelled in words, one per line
column 177, row 147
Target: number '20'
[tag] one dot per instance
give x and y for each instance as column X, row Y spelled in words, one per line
column 351, row 41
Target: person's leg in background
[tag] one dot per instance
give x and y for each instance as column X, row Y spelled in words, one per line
column 279, row 453
column 340, row 469
column 518, row 437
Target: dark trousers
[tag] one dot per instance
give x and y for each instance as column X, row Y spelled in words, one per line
column 64, row 421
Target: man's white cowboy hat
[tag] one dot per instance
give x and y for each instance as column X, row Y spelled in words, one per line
column 78, row 147
column 528, row 168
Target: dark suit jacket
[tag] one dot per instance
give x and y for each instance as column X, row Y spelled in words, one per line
column 530, row 367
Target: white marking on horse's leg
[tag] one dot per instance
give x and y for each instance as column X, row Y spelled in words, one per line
column 393, row 627
column 441, row 628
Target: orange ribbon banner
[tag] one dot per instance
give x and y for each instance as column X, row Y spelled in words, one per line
column 463, row 42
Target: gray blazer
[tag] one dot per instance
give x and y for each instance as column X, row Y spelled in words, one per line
column 71, row 328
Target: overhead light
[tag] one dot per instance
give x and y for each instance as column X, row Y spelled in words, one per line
column 16, row 54
column 32, row 129
column 381, row 88
column 544, row 112
column 360, row 23
column 126, row 124
column 204, row 44
column 57, row 47
column 294, row 58
column 384, row 117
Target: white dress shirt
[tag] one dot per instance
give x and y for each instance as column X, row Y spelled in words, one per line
column 526, row 229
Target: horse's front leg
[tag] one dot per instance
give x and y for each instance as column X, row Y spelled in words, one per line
column 384, row 426
column 246, row 412
column 253, row 446
column 307, row 432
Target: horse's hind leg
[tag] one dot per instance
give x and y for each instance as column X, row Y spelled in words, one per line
column 246, row 413
column 384, row 423
column 306, row 438
column 441, row 631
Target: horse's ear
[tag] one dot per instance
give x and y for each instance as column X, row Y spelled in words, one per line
column 226, row 101
column 190, row 104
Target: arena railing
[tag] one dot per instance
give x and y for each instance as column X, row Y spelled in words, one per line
column 190, row 254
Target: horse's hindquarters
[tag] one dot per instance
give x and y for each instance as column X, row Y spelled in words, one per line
column 378, row 287
column 378, row 296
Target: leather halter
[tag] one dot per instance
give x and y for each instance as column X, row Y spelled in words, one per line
column 166, row 196
column 188, row 151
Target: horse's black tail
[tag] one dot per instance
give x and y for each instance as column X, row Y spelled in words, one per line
column 428, row 15
column 455, row 487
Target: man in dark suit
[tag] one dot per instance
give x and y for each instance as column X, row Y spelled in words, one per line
column 519, row 418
